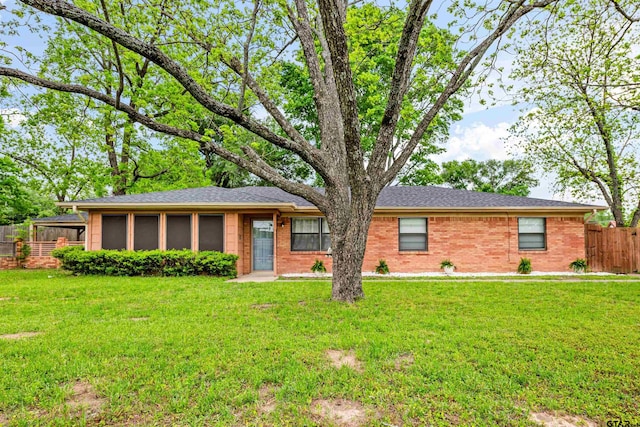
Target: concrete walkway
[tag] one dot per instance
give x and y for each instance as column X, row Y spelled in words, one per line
column 256, row 276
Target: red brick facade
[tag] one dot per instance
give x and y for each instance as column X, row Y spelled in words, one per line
column 472, row 243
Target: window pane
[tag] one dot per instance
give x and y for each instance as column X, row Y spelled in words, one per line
column 531, row 241
column 326, row 242
column 304, row 225
column 531, row 225
column 413, row 242
column 325, row 226
column 305, row 242
column 114, row 232
column 413, row 225
column 210, row 233
column 145, row 232
column 178, row 231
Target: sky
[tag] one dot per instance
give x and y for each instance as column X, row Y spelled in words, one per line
column 480, row 135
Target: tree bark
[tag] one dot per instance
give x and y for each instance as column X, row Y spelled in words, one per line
column 349, row 220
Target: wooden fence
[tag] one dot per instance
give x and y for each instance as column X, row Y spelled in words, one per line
column 9, row 232
column 614, row 250
column 7, row 249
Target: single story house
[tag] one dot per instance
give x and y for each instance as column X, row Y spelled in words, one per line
column 413, row 228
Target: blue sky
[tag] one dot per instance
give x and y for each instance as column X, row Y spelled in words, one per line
column 479, row 135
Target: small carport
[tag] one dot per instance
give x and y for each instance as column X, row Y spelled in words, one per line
column 70, row 226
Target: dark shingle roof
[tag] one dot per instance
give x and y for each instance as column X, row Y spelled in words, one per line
column 439, row 197
column 68, row 218
column 390, row 197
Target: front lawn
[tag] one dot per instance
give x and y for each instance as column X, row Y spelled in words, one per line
column 200, row 351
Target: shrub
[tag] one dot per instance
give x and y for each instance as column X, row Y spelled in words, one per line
column 146, row 263
column 579, row 265
column 382, row 267
column 446, row 263
column 318, row 267
column 525, row 266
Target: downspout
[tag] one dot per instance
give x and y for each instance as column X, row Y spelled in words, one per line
column 508, row 237
column 75, row 210
column 591, row 215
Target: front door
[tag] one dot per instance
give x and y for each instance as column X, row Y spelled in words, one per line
column 262, row 232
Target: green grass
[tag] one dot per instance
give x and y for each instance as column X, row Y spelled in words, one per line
column 485, row 352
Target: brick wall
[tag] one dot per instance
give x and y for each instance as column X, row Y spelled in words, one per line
column 33, row 261
column 7, row 263
column 472, row 243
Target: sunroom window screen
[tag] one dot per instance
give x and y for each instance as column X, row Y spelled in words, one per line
column 413, row 234
column 309, row 234
column 210, row 233
column 114, row 232
column 178, row 231
column 531, row 233
column 145, row 232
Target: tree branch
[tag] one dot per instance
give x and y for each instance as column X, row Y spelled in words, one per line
column 407, row 48
column 116, row 52
column 622, row 12
column 325, row 95
column 459, row 77
column 261, row 169
column 247, row 44
column 155, row 55
column 333, row 15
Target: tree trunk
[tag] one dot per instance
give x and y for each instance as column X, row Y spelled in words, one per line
column 349, row 227
column 348, row 256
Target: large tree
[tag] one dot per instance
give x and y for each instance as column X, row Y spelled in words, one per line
column 224, row 57
column 581, row 73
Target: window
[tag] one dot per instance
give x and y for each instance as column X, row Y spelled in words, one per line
column 210, row 233
column 145, row 232
column 532, row 234
column 114, row 232
column 413, row 234
column 178, row 231
column 309, row 234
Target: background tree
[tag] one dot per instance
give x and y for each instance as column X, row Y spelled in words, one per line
column 578, row 70
column 18, row 202
column 222, row 58
column 512, row 177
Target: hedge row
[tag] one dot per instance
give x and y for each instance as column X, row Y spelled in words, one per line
column 146, row 263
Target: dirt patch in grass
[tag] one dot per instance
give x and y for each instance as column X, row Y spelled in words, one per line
column 548, row 419
column 4, row 420
column 267, row 399
column 19, row 335
column 85, row 399
column 262, row 306
column 346, row 413
column 341, row 358
column 404, row 361
column 139, row 319
column 5, row 298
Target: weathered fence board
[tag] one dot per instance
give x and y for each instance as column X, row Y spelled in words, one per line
column 7, row 249
column 614, row 250
column 9, row 232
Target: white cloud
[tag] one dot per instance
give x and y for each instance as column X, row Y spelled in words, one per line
column 12, row 116
column 477, row 141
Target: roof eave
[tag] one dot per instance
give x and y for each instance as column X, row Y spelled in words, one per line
column 493, row 209
column 291, row 207
column 166, row 206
